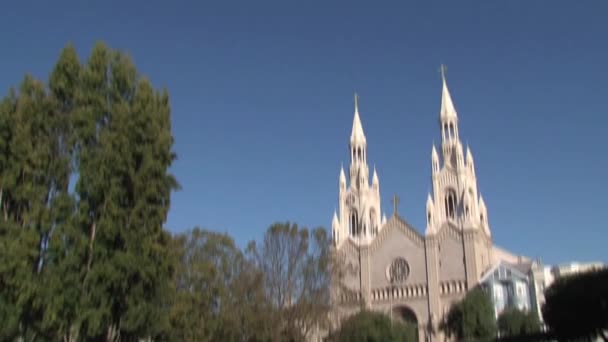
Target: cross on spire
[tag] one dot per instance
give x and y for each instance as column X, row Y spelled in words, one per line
column 395, row 202
column 443, row 69
column 356, row 101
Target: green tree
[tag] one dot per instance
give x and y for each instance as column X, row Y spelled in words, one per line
column 124, row 141
column 471, row 319
column 296, row 267
column 576, row 307
column 93, row 264
column 514, row 322
column 218, row 293
column 62, row 252
column 35, row 172
column 367, row 326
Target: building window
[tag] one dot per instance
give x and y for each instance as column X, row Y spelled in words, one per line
column 450, row 204
column 353, row 223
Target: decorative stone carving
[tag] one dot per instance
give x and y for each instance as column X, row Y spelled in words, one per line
column 398, row 271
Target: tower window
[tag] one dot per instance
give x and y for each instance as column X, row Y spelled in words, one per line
column 450, row 204
column 372, row 223
column 466, row 211
column 428, row 218
column 353, row 224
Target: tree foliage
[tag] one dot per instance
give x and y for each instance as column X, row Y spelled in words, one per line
column 296, row 268
column 514, row 322
column 471, row 319
column 368, row 326
column 84, row 192
column 218, row 294
column 576, row 306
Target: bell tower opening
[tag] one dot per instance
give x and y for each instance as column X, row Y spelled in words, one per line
column 450, row 204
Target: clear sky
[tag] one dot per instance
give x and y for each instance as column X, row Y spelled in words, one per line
column 262, row 99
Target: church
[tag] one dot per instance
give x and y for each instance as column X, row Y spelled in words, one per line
column 391, row 266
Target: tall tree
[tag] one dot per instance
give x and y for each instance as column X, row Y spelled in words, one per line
column 576, row 306
column 125, row 151
column 35, row 173
column 296, row 265
column 93, row 264
column 471, row 319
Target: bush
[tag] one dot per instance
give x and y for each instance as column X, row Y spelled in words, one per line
column 367, row 326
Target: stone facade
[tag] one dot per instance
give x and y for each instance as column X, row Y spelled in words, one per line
column 392, row 267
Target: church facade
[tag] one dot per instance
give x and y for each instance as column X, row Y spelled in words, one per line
column 392, row 267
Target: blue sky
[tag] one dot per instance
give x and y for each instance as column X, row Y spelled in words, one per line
column 262, row 99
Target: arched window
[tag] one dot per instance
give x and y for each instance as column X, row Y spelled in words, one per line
column 428, row 218
column 372, row 222
column 450, row 204
column 359, row 154
column 353, row 223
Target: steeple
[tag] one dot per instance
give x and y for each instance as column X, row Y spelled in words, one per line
column 359, row 171
column 360, row 210
column 447, row 106
column 448, row 119
column 469, row 156
column 434, row 160
column 375, row 181
column 334, row 221
column 357, row 134
column 470, row 162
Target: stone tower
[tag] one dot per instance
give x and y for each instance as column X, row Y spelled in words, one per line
column 456, row 206
column 358, row 217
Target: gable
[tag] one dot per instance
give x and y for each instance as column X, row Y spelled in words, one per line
column 397, row 240
column 395, row 222
column 503, row 271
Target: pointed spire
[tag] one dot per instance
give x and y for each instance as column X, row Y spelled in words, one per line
column 334, row 221
column 429, row 201
column 342, row 175
column 383, row 219
column 469, row 156
column 434, row 160
column 375, row 180
column 357, row 131
column 447, row 106
column 482, row 204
